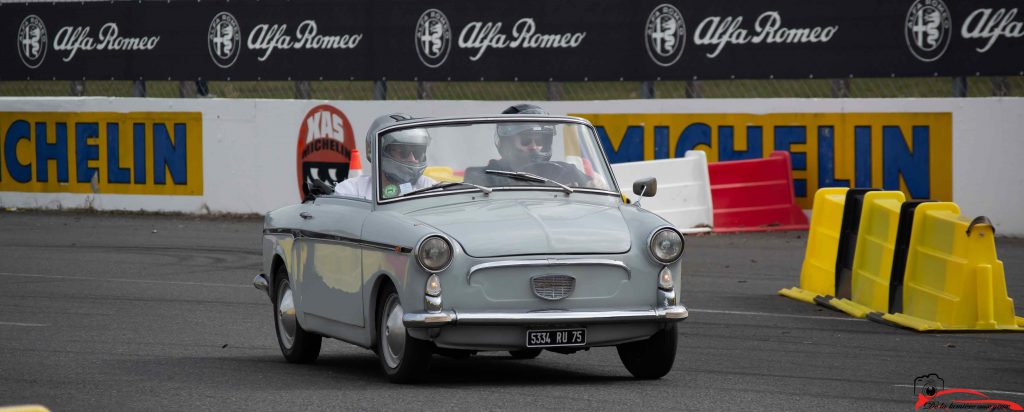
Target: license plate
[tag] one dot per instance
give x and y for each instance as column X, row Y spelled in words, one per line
column 556, row 337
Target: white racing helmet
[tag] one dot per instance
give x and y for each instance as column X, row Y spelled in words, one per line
column 416, row 140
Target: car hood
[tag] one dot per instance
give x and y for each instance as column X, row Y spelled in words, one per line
column 530, row 227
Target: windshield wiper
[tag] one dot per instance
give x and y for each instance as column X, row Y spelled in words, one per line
column 528, row 177
column 443, row 185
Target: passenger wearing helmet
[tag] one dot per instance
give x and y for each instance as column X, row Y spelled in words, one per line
column 403, row 158
column 525, row 147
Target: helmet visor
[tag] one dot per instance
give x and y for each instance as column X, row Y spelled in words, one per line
column 512, row 129
column 534, row 139
column 407, row 153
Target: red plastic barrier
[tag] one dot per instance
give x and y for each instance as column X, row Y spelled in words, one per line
column 755, row 195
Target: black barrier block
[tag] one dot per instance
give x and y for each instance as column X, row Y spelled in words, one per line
column 899, row 254
column 826, row 301
column 848, row 241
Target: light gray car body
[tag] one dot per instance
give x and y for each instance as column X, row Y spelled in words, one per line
column 339, row 253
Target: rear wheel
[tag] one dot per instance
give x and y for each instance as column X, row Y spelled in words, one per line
column 525, row 353
column 404, row 358
column 653, row 357
column 297, row 345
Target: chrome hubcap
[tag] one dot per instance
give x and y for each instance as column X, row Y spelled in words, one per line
column 286, row 323
column 392, row 333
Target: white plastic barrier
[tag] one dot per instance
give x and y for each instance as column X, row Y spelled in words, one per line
column 684, row 190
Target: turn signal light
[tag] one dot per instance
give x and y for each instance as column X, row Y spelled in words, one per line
column 665, row 279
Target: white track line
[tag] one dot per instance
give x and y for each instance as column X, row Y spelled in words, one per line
column 697, row 311
column 21, row 324
column 27, row 275
column 777, row 315
column 985, row 391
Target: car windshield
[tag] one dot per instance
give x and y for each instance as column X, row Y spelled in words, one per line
column 538, row 154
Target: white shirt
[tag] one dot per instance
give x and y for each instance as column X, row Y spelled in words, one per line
column 362, row 186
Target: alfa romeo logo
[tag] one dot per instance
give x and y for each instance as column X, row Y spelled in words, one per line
column 928, row 29
column 433, row 38
column 32, row 40
column 665, row 34
column 224, row 39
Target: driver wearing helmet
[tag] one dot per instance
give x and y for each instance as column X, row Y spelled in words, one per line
column 525, row 147
column 523, row 143
column 403, row 158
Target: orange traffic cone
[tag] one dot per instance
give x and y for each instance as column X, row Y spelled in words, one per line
column 355, row 165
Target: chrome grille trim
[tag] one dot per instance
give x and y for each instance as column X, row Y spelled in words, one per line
column 548, row 262
column 552, row 286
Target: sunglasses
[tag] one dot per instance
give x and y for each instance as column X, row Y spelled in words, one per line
column 403, row 151
column 536, row 140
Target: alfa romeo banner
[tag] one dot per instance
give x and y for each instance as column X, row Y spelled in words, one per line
column 268, row 40
column 529, row 40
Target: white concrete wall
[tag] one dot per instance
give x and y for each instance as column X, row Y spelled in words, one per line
column 249, row 145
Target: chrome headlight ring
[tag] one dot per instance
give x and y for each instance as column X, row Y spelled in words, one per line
column 665, row 245
column 434, row 253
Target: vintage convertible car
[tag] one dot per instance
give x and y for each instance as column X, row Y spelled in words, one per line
column 492, row 255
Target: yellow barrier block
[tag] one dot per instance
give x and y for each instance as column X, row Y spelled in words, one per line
column 24, row 408
column 818, row 275
column 441, row 174
column 953, row 280
column 872, row 261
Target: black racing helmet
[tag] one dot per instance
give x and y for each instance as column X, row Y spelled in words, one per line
column 507, row 131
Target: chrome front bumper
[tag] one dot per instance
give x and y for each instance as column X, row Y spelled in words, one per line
column 451, row 317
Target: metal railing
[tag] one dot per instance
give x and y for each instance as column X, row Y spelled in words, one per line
column 495, row 90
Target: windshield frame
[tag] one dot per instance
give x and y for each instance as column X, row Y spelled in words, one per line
column 472, row 120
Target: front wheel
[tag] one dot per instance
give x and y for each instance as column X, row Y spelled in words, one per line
column 653, row 357
column 297, row 345
column 404, row 358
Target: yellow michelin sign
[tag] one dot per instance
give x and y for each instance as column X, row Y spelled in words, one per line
column 909, row 152
column 143, row 153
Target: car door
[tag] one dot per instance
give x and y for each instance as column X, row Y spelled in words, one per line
column 332, row 283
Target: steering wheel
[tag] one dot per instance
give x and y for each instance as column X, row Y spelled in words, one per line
column 555, row 171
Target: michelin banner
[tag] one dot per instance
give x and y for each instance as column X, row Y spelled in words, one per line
column 155, row 153
column 910, row 152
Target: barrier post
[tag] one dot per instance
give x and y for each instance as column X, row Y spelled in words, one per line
column 848, row 240
column 899, row 256
column 871, row 267
column 953, row 279
column 817, row 274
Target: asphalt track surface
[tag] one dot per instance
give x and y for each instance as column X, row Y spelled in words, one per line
column 114, row 312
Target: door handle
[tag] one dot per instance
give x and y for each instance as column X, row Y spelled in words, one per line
column 305, row 215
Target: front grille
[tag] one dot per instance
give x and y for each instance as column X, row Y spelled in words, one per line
column 553, row 287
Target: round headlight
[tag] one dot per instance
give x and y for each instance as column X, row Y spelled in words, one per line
column 434, row 253
column 666, row 245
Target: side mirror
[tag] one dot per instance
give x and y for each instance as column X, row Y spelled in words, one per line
column 646, row 187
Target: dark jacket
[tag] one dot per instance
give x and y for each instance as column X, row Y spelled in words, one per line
column 561, row 172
